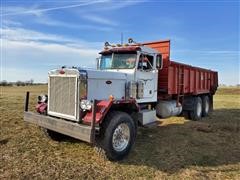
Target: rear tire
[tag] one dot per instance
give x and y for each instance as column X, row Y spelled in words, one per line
column 205, row 106
column 196, row 112
column 117, row 135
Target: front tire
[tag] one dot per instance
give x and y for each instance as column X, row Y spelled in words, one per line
column 117, row 135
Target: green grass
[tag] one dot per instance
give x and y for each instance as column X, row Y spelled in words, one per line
column 175, row 149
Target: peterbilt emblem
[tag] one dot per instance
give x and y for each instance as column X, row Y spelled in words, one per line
column 108, row 82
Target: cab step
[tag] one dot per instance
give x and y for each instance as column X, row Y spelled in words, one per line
column 147, row 116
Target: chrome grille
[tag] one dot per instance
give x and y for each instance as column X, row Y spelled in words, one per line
column 62, row 96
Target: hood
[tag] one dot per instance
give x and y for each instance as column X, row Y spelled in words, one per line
column 99, row 88
column 99, row 74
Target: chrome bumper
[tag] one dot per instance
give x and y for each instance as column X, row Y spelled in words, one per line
column 78, row 131
column 73, row 129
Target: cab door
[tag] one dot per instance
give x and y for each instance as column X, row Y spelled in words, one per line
column 148, row 74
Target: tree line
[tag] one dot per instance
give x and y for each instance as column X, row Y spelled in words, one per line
column 19, row 83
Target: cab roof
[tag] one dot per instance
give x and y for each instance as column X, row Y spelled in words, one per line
column 130, row 48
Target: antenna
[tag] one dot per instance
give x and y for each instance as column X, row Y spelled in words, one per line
column 121, row 38
column 106, row 44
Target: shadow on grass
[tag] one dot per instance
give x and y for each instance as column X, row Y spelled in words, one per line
column 4, row 141
column 213, row 141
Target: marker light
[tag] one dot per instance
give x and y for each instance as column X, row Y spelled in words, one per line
column 106, row 44
column 111, row 98
column 62, row 71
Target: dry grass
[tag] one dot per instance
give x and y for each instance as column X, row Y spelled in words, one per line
column 176, row 149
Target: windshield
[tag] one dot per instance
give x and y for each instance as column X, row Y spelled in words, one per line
column 118, row 61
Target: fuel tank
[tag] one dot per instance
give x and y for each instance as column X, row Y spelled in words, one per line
column 165, row 109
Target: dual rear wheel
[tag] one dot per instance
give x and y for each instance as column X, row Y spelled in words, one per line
column 201, row 107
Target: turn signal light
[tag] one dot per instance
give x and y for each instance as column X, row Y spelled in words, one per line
column 111, row 98
column 62, row 71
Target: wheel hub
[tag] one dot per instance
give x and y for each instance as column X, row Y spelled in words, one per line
column 207, row 107
column 199, row 109
column 121, row 137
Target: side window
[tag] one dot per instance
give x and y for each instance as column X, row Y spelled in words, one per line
column 145, row 62
column 159, row 61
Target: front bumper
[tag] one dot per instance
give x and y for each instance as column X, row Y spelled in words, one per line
column 78, row 131
column 73, row 129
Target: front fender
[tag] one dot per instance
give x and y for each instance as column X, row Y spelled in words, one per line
column 104, row 106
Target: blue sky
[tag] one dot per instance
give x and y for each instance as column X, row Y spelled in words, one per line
column 37, row 36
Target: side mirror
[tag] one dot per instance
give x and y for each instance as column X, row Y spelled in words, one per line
column 98, row 62
column 159, row 61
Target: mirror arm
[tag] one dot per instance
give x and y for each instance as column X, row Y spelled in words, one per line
column 98, row 63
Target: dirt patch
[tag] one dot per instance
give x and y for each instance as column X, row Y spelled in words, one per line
column 203, row 127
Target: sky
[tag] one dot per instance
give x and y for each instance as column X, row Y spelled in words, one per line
column 37, row 36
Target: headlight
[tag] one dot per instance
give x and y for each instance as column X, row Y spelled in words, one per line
column 85, row 104
column 42, row 98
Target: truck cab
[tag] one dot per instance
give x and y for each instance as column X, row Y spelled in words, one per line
column 140, row 64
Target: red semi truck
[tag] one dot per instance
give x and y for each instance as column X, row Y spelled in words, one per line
column 133, row 84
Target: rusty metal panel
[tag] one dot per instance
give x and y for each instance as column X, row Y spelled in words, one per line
column 191, row 81
column 163, row 80
column 171, row 78
column 195, row 80
column 186, row 80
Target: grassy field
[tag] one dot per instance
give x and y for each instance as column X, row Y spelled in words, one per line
column 176, row 149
